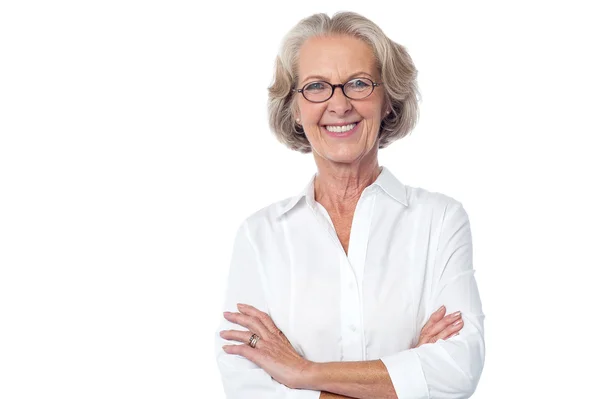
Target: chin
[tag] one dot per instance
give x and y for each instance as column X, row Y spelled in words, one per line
column 344, row 155
column 348, row 153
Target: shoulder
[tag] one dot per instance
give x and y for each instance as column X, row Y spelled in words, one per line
column 267, row 217
column 418, row 196
column 438, row 204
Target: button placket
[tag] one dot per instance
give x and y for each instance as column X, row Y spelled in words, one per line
column 359, row 238
column 351, row 273
column 351, row 270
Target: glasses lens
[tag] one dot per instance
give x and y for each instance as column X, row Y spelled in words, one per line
column 317, row 91
column 358, row 88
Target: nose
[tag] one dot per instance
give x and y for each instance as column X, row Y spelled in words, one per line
column 339, row 103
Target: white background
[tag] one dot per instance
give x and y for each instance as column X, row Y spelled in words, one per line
column 134, row 140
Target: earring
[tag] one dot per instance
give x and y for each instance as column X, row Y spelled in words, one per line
column 301, row 131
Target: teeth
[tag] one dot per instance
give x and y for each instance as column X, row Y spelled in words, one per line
column 340, row 129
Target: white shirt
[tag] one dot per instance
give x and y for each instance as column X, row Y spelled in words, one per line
column 410, row 251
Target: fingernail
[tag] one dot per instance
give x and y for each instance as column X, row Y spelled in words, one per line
column 455, row 314
column 457, row 322
column 440, row 309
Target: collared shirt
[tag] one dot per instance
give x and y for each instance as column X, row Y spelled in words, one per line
column 410, row 251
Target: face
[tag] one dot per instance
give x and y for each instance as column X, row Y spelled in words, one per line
column 337, row 60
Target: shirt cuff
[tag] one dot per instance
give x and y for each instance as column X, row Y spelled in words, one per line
column 304, row 394
column 407, row 375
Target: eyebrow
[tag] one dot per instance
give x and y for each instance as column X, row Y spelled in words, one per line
column 319, row 77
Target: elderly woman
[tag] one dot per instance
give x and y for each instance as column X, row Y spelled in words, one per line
column 358, row 286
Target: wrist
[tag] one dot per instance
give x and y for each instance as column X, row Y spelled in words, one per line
column 308, row 377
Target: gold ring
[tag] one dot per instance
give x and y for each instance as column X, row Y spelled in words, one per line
column 253, row 340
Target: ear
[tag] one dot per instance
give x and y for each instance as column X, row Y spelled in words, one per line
column 295, row 113
column 387, row 107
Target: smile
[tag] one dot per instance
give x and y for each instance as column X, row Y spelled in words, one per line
column 340, row 129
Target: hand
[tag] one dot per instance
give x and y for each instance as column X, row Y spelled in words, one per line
column 273, row 352
column 440, row 327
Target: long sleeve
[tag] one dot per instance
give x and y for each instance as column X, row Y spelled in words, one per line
column 448, row 368
column 242, row 379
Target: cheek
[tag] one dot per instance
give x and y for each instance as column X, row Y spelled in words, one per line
column 311, row 114
column 372, row 129
column 372, row 110
column 372, row 117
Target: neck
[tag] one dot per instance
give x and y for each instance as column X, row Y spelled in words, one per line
column 338, row 186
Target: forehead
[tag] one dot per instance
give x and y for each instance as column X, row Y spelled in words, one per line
column 335, row 57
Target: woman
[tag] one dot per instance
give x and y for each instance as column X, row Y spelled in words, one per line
column 333, row 293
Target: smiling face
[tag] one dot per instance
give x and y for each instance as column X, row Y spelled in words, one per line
column 337, row 60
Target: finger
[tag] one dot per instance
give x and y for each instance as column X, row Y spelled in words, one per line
column 262, row 316
column 434, row 318
column 444, row 323
column 242, row 350
column 235, row 335
column 451, row 329
column 251, row 323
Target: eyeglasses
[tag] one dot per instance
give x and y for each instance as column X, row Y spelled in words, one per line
column 355, row 89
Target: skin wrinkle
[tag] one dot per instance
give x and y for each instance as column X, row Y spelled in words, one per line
column 321, row 77
column 346, row 166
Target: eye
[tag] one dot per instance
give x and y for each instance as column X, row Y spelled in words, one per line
column 359, row 84
column 314, row 87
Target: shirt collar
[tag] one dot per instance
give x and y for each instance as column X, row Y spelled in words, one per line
column 308, row 192
column 392, row 186
column 386, row 181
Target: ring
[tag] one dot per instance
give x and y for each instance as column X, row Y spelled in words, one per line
column 253, row 340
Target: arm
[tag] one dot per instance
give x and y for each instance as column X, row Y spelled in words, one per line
column 447, row 369
column 366, row 379
column 329, row 395
column 440, row 370
column 243, row 379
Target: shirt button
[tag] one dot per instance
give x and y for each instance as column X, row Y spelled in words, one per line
column 352, row 327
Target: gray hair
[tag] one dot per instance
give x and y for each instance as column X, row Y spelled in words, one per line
column 393, row 62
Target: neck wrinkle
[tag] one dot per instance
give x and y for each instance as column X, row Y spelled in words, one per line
column 340, row 193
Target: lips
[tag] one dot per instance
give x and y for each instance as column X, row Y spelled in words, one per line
column 341, row 129
column 340, row 124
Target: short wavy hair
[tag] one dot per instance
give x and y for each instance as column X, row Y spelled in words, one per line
column 393, row 62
